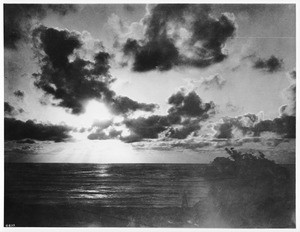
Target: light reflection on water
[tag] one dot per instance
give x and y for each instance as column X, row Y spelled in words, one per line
column 155, row 185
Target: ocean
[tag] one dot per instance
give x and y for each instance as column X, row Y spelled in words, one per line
column 108, row 185
column 146, row 195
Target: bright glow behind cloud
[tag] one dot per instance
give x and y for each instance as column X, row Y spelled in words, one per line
column 94, row 111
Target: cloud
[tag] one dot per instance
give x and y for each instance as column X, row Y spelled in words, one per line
column 9, row 110
column 290, row 95
column 183, row 120
column 147, row 127
column 284, row 126
column 73, row 82
column 123, row 105
column 292, row 74
column 250, row 125
column 98, row 136
column 224, row 130
column 18, row 19
column 19, row 94
column 180, row 35
column 161, row 55
column 182, row 132
column 189, row 105
column 18, row 130
column 214, row 81
column 167, row 145
column 74, row 73
column 273, row 64
column 236, row 127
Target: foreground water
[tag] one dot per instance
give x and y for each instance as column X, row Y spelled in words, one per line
column 110, row 185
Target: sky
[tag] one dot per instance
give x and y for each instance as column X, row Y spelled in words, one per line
column 127, row 83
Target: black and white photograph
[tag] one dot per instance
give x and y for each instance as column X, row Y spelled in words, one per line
column 161, row 115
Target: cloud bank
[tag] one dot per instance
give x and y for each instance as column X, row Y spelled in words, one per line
column 18, row 130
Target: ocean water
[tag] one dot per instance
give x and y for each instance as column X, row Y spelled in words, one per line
column 110, row 185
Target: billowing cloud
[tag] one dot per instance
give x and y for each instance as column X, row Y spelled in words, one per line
column 273, row 64
column 183, row 131
column 161, row 55
column 290, row 96
column 19, row 94
column 180, row 35
column 249, row 125
column 183, row 119
column 74, row 74
column 17, row 130
column 189, row 105
column 18, row 19
column 229, row 126
column 147, row 127
column 75, row 81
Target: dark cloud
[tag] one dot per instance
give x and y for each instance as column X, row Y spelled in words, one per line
column 19, row 94
column 273, row 64
column 189, row 105
column 58, row 45
column 166, row 43
column 147, row 127
column 74, row 81
column 30, row 141
column 18, row 130
column 123, row 105
column 184, row 131
column 101, row 125
column 18, row 19
column 243, row 124
column 224, row 131
column 161, row 55
column 9, row 110
column 284, row 126
column 98, row 136
column 250, row 126
column 111, row 133
column 183, row 119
